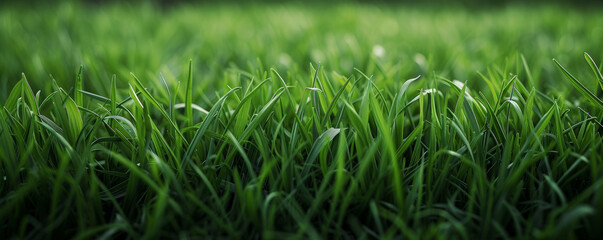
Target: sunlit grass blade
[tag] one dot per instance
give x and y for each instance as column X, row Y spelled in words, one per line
column 189, row 95
column 579, row 86
column 595, row 68
column 77, row 94
column 28, row 94
column 157, row 106
column 211, row 117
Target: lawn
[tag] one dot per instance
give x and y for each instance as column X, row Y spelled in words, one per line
column 301, row 120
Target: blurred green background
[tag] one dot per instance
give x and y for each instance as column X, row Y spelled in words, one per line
column 455, row 40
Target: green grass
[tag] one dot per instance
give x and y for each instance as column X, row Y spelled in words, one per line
column 300, row 121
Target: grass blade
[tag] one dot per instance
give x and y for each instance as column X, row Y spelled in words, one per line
column 580, row 87
column 595, row 69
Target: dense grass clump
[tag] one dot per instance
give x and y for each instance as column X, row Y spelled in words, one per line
column 300, row 122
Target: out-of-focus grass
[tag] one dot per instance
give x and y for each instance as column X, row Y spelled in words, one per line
column 300, row 121
column 119, row 39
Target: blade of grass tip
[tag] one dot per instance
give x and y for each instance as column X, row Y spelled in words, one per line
column 126, row 124
column 58, row 136
column 364, row 112
column 509, row 109
column 252, row 126
column 241, row 113
column 13, row 97
column 28, row 94
column 189, row 95
column 460, row 133
column 298, row 121
column 416, row 131
column 335, row 100
column 77, row 95
column 470, row 113
column 405, row 86
column 591, row 116
column 194, row 106
column 461, row 98
column 370, row 80
column 314, row 97
column 492, row 116
column 503, row 89
column 52, row 94
column 239, row 148
column 168, row 92
column 284, row 85
column 528, row 125
column 324, row 94
column 75, row 123
column 213, row 114
column 537, row 132
column 528, row 71
column 321, row 142
column 37, row 97
column 113, row 99
column 595, row 69
column 173, row 100
column 579, row 86
column 313, row 89
column 383, row 129
column 113, row 94
column 92, row 95
column 158, row 106
column 402, row 96
column 135, row 97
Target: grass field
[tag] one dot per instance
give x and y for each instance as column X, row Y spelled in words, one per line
column 301, row 121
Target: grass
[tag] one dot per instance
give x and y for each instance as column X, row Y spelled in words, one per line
column 294, row 121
